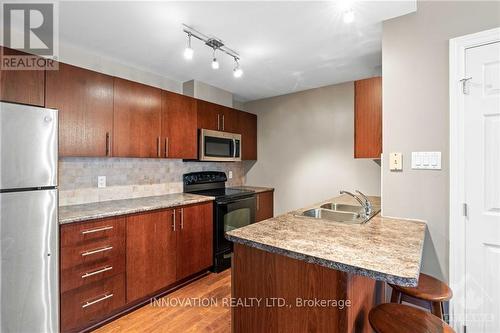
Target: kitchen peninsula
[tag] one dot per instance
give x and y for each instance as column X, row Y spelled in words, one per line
column 325, row 276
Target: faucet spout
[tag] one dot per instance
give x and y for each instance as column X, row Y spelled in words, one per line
column 367, row 206
column 354, row 196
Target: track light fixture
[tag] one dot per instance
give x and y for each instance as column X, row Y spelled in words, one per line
column 216, row 44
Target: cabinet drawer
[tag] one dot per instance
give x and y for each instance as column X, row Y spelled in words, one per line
column 84, row 306
column 95, row 251
column 92, row 233
column 88, row 273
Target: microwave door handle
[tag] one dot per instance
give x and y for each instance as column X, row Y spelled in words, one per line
column 234, row 148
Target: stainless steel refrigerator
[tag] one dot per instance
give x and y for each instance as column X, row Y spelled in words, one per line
column 29, row 288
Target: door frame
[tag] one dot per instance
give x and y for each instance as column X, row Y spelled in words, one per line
column 457, row 219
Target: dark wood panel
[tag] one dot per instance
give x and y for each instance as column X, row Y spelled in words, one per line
column 21, row 86
column 194, row 239
column 92, row 233
column 230, row 120
column 74, row 316
column 265, row 206
column 247, row 127
column 368, row 118
column 85, row 102
column 209, row 115
column 179, row 126
column 137, row 119
column 151, row 253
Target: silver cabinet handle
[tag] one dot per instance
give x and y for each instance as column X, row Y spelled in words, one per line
column 218, row 122
column 91, row 231
column 173, row 220
column 258, row 201
column 182, row 218
column 107, row 144
column 99, row 271
column 166, row 147
column 222, row 122
column 158, row 148
column 105, row 297
column 103, row 249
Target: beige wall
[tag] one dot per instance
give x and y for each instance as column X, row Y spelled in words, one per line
column 305, row 147
column 207, row 92
column 415, row 112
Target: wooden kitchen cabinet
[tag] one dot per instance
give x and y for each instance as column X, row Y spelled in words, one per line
column 136, row 120
column 368, row 118
column 248, row 130
column 230, row 120
column 151, row 253
column 179, row 130
column 21, row 86
column 265, row 206
column 209, row 115
column 85, row 102
column 194, row 239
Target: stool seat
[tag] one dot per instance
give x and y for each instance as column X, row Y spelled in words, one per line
column 392, row 317
column 429, row 289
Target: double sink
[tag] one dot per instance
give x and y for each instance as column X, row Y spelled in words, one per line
column 341, row 213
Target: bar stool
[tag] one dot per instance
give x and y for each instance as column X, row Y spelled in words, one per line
column 391, row 317
column 430, row 290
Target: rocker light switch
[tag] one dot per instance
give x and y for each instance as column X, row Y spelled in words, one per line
column 395, row 161
column 428, row 160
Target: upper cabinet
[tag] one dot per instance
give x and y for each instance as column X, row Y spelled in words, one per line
column 85, row 102
column 137, row 120
column 21, row 86
column 247, row 124
column 217, row 117
column 368, row 118
column 179, row 126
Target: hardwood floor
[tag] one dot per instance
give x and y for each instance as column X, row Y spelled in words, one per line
column 167, row 316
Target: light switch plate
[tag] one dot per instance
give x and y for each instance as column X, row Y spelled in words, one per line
column 426, row 160
column 396, row 161
column 101, row 181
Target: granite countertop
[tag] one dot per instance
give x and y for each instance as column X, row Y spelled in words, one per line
column 385, row 249
column 76, row 213
column 256, row 189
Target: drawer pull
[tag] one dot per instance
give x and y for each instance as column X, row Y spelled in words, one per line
column 103, row 249
column 105, row 269
column 91, row 231
column 103, row 298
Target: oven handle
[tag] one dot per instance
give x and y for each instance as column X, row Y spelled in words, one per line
column 236, row 200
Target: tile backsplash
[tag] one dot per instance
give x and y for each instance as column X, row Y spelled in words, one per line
column 130, row 177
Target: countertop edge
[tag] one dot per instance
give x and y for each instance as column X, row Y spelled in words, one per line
column 130, row 211
column 379, row 276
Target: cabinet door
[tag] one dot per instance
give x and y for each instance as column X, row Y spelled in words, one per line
column 368, row 118
column 248, row 130
column 136, row 119
column 229, row 121
column 265, row 206
column 85, row 102
column 209, row 115
column 21, row 86
column 194, row 239
column 179, row 126
column 151, row 253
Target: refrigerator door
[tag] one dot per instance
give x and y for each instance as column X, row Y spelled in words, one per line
column 29, row 289
column 28, row 147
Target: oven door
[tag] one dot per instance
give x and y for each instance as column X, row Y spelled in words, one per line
column 219, row 146
column 230, row 215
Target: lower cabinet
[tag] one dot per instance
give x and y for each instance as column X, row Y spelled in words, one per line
column 110, row 264
column 265, row 206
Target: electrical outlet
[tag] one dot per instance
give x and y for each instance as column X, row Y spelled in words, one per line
column 230, row 175
column 101, row 181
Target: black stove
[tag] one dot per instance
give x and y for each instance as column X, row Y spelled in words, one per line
column 233, row 208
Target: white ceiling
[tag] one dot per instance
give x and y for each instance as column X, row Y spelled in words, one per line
column 284, row 46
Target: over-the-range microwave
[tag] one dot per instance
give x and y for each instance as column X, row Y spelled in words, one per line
column 219, row 146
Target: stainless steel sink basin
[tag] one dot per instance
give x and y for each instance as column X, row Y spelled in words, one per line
column 343, row 207
column 332, row 215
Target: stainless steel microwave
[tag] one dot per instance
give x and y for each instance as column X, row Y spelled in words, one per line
column 219, row 146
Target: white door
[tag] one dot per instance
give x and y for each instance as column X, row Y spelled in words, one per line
column 482, row 188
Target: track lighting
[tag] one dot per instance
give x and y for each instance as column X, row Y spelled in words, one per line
column 349, row 16
column 188, row 52
column 237, row 71
column 216, row 44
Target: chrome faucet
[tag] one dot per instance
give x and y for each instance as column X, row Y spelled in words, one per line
column 365, row 203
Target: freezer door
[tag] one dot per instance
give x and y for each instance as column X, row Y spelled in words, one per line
column 28, row 146
column 29, row 289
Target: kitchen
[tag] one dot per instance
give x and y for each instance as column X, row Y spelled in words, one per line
column 215, row 176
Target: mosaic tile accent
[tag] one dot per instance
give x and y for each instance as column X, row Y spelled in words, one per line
column 130, row 177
